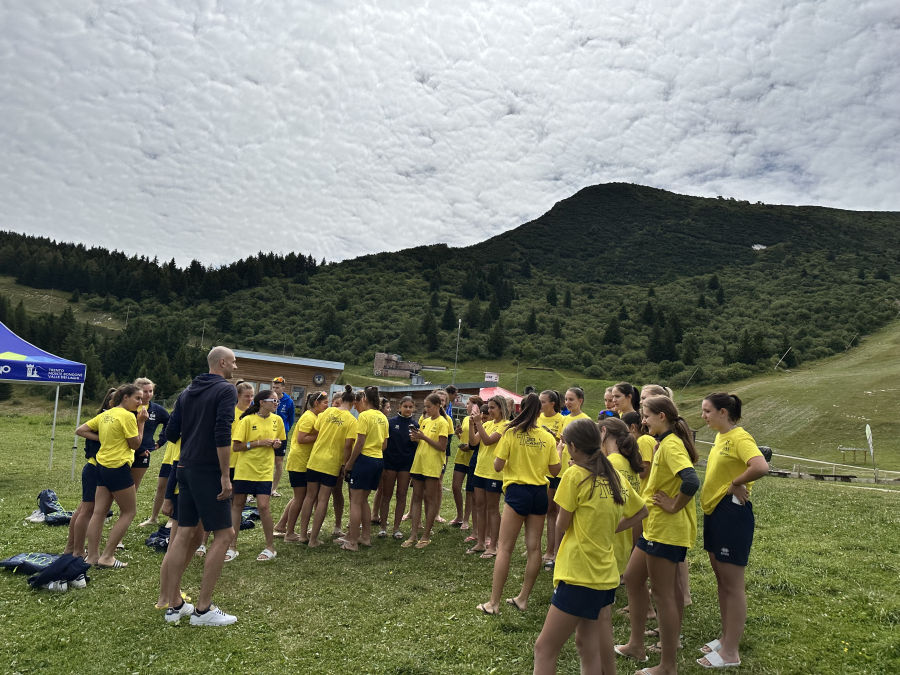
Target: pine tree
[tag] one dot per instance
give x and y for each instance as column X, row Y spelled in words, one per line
column 720, row 296
column 623, row 312
column 713, row 283
column 551, row 296
column 496, row 342
column 473, row 313
column 701, row 300
column 435, row 301
column 225, row 320
column 567, row 298
column 648, row 316
column 556, row 329
column 531, row 323
column 448, row 321
column 690, row 349
column 429, row 331
column 612, row 335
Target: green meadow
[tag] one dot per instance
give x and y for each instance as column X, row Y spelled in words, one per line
column 822, row 586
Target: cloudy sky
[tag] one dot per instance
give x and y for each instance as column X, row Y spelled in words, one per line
column 213, row 129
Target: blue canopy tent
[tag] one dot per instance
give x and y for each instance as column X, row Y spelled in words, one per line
column 23, row 363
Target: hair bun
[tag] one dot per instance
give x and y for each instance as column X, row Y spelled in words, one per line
column 348, row 388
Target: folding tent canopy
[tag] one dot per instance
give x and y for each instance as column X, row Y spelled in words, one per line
column 22, row 362
column 487, row 392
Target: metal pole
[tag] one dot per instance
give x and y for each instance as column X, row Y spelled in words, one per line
column 53, row 428
column 456, row 358
column 782, row 358
column 77, row 424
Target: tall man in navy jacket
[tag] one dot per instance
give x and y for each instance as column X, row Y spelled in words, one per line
column 202, row 420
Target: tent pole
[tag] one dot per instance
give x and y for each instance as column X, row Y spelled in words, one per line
column 77, row 424
column 53, row 428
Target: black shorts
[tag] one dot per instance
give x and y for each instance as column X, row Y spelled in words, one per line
column 231, row 473
column 165, row 470
column 461, row 468
column 470, row 480
column 366, row 473
column 421, row 477
column 325, row 479
column 281, row 451
column 251, row 487
column 554, row 482
column 198, row 488
column 676, row 554
column 114, row 479
column 172, row 485
column 581, row 601
column 297, row 478
column 398, row 463
column 141, row 461
column 728, row 532
column 527, row 500
column 88, row 482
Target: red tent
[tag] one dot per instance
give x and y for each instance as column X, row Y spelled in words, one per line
column 487, row 392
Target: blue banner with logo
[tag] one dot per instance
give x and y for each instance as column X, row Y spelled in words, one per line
column 21, row 361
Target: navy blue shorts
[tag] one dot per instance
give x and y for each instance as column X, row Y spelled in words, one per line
column 140, row 461
column 231, row 473
column 488, row 484
column 527, row 500
column 461, row 468
column 398, row 463
column 251, row 487
column 198, row 487
column 165, row 470
column 581, row 601
column 728, row 532
column 554, row 482
column 366, row 473
column 470, row 480
column 114, row 479
column 297, row 478
column 88, row 482
column 676, row 554
column 325, row 479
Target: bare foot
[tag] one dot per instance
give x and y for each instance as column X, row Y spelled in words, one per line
column 313, row 543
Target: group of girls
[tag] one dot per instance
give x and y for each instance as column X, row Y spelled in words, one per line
column 628, row 506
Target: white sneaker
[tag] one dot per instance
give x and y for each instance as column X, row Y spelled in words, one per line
column 213, row 617
column 59, row 586
column 174, row 615
column 78, row 582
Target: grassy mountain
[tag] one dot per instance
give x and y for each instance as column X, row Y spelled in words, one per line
column 618, row 281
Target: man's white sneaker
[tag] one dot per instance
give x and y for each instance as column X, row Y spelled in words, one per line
column 78, row 582
column 174, row 615
column 212, row 617
column 58, row 586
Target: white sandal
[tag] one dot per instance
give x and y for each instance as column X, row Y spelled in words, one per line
column 266, row 555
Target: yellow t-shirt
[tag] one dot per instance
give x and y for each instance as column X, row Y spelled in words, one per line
column 727, row 460
column 257, row 463
column 567, row 420
column 623, row 539
column 428, row 460
column 675, row 529
column 299, row 454
column 374, row 425
column 335, row 426
column 114, row 426
column 484, row 466
column 586, row 554
column 173, row 452
column 234, row 427
column 464, row 456
column 646, row 443
column 555, row 423
column 528, row 455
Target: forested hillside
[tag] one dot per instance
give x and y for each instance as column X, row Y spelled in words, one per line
column 620, row 281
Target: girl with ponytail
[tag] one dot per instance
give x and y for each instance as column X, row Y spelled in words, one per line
column 622, row 452
column 669, row 531
column 594, row 504
column 364, row 466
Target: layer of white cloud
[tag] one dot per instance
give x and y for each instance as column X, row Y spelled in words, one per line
column 212, row 130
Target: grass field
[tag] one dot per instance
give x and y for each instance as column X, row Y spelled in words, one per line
column 822, row 586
